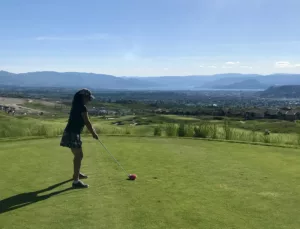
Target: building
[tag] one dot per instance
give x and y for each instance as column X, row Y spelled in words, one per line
column 272, row 114
column 254, row 114
column 292, row 115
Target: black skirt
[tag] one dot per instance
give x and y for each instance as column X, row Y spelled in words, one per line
column 71, row 140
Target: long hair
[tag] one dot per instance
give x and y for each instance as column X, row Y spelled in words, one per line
column 77, row 99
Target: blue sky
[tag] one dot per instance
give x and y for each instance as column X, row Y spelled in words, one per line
column 150, row 37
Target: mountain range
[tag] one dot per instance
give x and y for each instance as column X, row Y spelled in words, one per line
column 286, row 91
column 102, row 81
column 250, row 84
column 71, row 79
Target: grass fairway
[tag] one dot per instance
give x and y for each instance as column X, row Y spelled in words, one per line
column 181, row 184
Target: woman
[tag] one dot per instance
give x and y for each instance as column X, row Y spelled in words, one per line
column 71, row 138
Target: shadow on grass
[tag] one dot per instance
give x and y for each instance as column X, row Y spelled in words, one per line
column 24, row 199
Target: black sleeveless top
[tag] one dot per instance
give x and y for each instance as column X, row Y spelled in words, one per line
column 76, row 122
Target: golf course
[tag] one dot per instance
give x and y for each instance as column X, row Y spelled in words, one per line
column 181, row 183
column 179, row 114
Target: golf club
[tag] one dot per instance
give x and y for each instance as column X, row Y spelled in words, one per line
column 130, row 176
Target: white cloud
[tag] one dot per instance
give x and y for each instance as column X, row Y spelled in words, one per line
column 232, row 63
column 212, row 66
column 166, row 69
column 286, row 64
column 245, row 66
column 98, row 36
column 226, row 67
column 282, row 64
column 201, row 66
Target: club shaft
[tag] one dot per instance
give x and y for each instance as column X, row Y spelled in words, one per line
column 113, row 157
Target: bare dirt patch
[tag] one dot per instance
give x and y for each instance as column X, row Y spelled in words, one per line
column 12, row 101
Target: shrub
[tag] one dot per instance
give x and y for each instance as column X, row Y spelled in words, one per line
column 228, row 131
column 157, row 131
column 266, row 138
column 127, row 131
column 201, row 131
column 189, row 131
column 254, row 136
column 276, row 139
column 241, row 136
column 3, row 133
column 171, row 130
column 218, row 118
column 181, row 130
column 214, row 130
column 41, row 130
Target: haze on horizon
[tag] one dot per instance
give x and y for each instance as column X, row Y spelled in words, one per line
column 150, row 38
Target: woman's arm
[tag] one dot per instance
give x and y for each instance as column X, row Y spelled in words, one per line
column 88, row 124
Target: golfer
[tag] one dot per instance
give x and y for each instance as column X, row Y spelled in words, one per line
column 71, row 137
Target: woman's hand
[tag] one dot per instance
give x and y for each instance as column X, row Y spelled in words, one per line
column 95, row 136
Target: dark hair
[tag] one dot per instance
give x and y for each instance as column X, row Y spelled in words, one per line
column 77, row 99
column 79, row 96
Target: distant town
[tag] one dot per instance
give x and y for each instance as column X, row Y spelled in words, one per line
column 243, row 104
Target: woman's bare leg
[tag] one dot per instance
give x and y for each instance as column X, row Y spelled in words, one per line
column 78, row 155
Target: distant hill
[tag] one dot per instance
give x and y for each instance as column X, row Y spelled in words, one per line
column 222, row 81
column 71, row 79
column 196, row 81
column 267, row 80
column 245, row 84
column 286, row 91
column 102, row 81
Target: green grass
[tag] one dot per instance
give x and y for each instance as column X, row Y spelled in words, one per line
column 181, row 184
column 181, row 118
column 275, row 126
column 25, row 126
